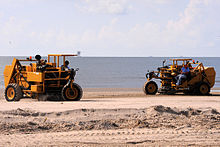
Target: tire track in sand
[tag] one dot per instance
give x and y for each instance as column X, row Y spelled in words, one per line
column 124, row 136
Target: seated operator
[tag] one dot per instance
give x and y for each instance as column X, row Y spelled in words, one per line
column 41, row 64
column 184, row 72
column 65, row 66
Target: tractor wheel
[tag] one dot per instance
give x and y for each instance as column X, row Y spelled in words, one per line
column 74, row 94
column 13, row 92
column 150, row 88
column 203, row 89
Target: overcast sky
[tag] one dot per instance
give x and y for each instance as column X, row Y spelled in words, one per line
column 110, row 27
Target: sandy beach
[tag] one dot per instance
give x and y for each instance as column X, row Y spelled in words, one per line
column 112, row 117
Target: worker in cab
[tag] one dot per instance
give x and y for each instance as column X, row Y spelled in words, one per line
column 183, row 75
column 65, row 67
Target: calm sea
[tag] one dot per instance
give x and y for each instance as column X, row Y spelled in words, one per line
column 116, row 72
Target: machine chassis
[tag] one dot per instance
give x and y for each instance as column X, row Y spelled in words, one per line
column 200, row 81
column 40, row 79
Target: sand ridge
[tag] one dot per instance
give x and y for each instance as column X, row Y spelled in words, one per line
column 18, row 121
column 149, row 126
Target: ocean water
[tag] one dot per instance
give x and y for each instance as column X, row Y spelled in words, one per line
column 116, row 72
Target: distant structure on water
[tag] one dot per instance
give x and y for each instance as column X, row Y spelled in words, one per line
column 78, row 53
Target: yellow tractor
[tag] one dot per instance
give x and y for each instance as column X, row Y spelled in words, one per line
column 41, row 79
column 199, row 80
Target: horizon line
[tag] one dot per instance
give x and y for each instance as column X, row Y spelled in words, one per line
column 113, row 56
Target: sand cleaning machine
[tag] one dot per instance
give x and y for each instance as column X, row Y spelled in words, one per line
column 199, row 80
column 41, row 79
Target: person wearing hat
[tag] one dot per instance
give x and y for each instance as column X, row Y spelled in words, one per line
column 184, row 72
column 65, row 66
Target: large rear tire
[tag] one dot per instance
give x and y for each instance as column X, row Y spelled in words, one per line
column 13, row 92
column 203, row 89
column 70, row 94
column 150, row 88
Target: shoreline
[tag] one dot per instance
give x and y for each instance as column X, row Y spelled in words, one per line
column 114, row 98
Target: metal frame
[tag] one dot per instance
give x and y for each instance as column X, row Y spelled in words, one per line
column 22, row 74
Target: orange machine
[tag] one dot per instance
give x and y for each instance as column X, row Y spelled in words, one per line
column 199, row 80
column 41, row 79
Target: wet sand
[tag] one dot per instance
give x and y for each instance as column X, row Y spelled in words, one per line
column 112, row 117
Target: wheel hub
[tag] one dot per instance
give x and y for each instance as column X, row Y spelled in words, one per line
column 71, row 93
column 11, row 93
column 204, row 89
column 151, row 88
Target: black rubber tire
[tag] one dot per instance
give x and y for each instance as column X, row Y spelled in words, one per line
column 16, row 92
column 203, row 89
column 77, row 95
column 150, row 88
